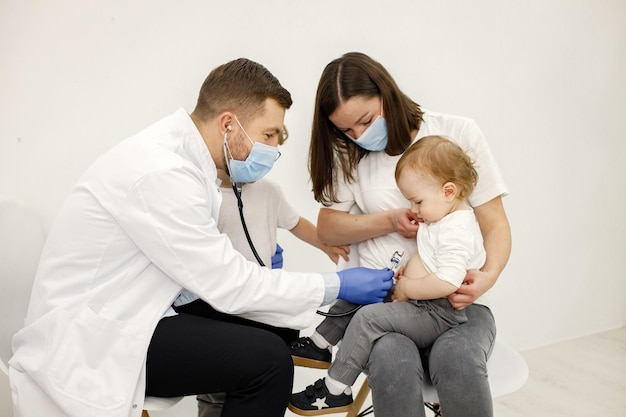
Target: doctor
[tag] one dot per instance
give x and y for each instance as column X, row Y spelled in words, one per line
column 137, row 238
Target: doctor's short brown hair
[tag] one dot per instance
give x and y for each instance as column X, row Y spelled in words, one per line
column 240, row 86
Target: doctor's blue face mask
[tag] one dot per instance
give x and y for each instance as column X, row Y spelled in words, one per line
column 258, row 163
column 374, row 138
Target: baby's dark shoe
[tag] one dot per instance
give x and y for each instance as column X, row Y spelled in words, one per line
column 316, row 400
column 305, row 353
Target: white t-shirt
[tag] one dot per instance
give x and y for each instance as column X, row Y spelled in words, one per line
column 375, row 189
column 451, row 246
column 265, row 210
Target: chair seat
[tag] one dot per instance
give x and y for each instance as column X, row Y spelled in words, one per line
column 160, row 403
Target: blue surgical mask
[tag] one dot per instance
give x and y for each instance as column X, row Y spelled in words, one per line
column 374, row 138
column 258, row 163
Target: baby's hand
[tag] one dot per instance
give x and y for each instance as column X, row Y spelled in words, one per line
column 399, row 273
column 399, row 293
column 402, row 288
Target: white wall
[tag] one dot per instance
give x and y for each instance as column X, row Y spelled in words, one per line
column 543, row 78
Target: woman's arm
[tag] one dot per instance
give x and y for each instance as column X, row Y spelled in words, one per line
column 336, row 227
column 307, row 232
column 496, row 232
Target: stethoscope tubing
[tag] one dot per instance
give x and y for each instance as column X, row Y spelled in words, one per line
column 237, row 189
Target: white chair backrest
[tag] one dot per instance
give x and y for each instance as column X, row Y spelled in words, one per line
column 21, row 241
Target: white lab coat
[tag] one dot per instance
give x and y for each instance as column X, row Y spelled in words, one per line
column 139, row 226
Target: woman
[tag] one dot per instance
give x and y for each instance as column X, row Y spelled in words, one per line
column 361, row 126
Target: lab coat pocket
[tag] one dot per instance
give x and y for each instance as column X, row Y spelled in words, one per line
column 97, row 360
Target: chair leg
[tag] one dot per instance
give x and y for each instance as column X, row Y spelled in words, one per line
column 359, row 400
column 144, row 413
column 435, row 408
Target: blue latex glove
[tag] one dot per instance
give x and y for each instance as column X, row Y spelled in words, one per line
column 277, row 258
column 364, row 285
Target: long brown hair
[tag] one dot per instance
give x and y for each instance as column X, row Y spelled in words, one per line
column 330, row 153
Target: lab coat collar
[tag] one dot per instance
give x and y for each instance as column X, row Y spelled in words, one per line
column 193, row 144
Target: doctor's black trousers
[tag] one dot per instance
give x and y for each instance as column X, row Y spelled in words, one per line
column 192, row 354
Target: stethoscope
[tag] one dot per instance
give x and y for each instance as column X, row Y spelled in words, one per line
column 394, row 263
column 237, row 188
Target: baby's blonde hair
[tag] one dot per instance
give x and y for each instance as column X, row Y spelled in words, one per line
column 441, row 159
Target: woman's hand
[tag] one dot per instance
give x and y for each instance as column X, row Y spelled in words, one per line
column 496, row 232
column 405, row 222
column 339, row 228
column 334, row 252
column 476, row 283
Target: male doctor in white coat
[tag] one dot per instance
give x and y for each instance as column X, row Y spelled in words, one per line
column 137, row 239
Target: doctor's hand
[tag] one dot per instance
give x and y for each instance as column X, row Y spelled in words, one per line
column 364, row 285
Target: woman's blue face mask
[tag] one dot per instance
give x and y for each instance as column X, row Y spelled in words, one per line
column 374, row 138
column 258, row 163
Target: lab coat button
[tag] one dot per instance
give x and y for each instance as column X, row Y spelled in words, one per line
column 134, row 405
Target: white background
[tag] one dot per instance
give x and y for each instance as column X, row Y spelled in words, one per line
column 545, row 80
